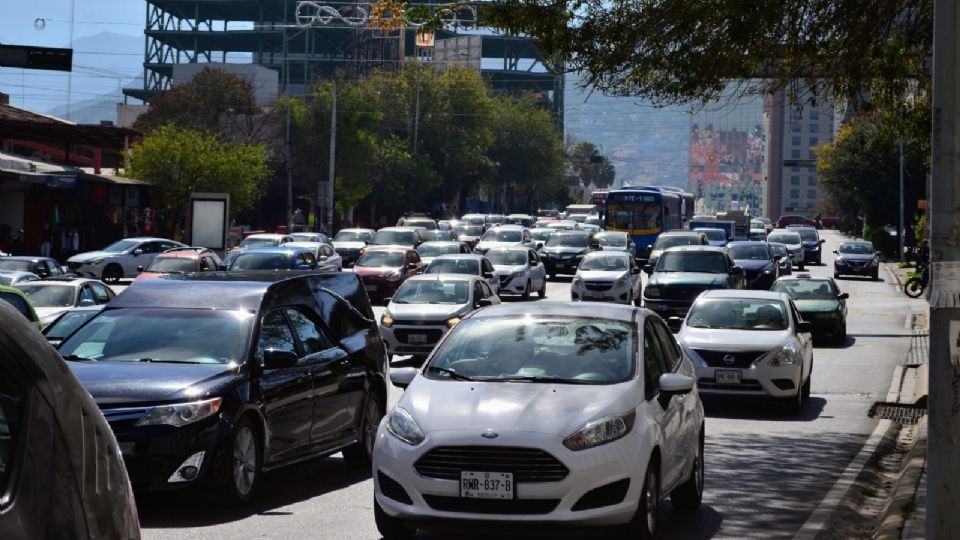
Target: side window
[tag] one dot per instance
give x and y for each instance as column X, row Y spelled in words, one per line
column 796, row 315
column 310, row 259
column 487, row 291
column 101, row 293
column 86, row 293
column 312, row 338
column 532, row 257
column 13, row 393
column 275, row 334
column 668, row 345
column 18, row 303
column 487, row 266
column 414, row 257
column 653, row 364
column 207, row 264
column 165, row 246
column 326, row 251
column 477, row 292
column 150, row 247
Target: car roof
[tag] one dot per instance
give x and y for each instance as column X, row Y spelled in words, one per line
column 679, row 232
column 599, row 310
column 745, row 293
column 444, row 277
column 389, row 247
column 717, row 249
column 470, row 256
column 276, row 249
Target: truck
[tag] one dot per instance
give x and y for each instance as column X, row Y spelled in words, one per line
column 741, row 225
column 725, row 224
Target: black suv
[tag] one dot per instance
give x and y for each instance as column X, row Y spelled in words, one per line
column 219, row 376
column 683, row 272
column 564, row 250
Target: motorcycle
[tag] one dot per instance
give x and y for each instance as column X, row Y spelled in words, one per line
column 915, row 286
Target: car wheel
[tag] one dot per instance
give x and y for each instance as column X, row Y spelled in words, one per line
column 112, row 273
column 638, row 300
column 360, row 453
column 246, row 460
column 526, row 291
column 805, row 389
column 644, row 523
column 542, row 293
column 800, row 267
column 689, row 494
column 875, row 276
column 836, row 275
column 390, row 527
column 795, row 404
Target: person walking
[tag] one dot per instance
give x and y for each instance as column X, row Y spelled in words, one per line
column 299, row 221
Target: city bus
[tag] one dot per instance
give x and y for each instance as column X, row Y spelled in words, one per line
column 643, row 213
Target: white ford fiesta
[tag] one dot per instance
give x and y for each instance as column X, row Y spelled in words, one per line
column 541, row 414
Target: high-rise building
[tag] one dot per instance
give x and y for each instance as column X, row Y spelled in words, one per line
column 794, row 129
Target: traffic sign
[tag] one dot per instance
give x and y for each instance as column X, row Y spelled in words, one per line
column 29, row 57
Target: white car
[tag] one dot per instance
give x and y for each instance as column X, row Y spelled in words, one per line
column 470, row 264
column 749, row 343
column 794, row 244
column 519, row 270
column 51, row 297
column 540, row 413
column 310, row 237
column 15, row 277
column 326, row 256
column 425, row 307
column 505, row 236
column 120, row 259
column 350, row 243
column 607, row 276
column 434, row 248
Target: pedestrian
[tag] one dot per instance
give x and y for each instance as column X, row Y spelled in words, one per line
column 299, row 220
column 45, row 238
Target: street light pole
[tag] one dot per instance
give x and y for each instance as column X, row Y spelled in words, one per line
column 902, row 231
column 943, row 449
column 333, row 159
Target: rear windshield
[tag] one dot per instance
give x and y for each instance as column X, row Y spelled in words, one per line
column 503, row 236
column 750, row 252
column 352, row 236
column 808, row 235
column 803, row 289
column 665, row 242
column 738, row 314
column 784, row 238
column 172, row 264
column 433, row 250
column 402, row 238
column 259, row 242
column 715, row 234
column 261, row 261
column 568, row 240
column 48, row 295
column 454, row 266
column 381, row 259
column 470, row 230
column 612, row 239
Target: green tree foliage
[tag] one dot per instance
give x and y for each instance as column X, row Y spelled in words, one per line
column 859, row 172
column 182, row 161
column 201, row 104
column 587, row 164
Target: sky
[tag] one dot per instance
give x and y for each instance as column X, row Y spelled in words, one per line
column 92, row 16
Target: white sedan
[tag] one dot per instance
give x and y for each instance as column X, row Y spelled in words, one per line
column 519, row 270
column 749, row 343
column 607, row 276
column 538, row 413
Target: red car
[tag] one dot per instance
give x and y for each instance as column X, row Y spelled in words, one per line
column 382, row 269
column 794, row 220
column 180, row 260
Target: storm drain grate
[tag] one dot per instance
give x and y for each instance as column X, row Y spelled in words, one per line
column 898, row 412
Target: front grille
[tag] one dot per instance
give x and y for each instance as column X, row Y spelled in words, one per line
column 491, row 506
column 681, row 293
column 405, row 322
column 528, row 465
column 745, row 386
column 598, row 285
column 740, row 359
column 432, row 335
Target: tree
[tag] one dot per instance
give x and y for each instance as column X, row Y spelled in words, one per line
column 589, row 166
column 182, row 161
column 201, row 104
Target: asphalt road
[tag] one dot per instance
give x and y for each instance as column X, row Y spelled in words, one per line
column 766, row 470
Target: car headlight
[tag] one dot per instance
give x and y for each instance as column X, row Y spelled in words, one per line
column 95, row 262
column 451, row 322
column 622, row 281
column 653, row 292
column 839, row 260
column 394, row 276
column 180, row 414
column 386, row 320
column 402, row 426
column 785, row 356
column 602, row 431
column 577, row 281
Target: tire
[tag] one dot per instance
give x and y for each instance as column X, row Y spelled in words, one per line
column 795, row 404
column 913, row 287
column 644, row 522
column 246, row 461
column 875, row 276
column 638, row 301
column 389, row 527
column 800, row 267
column 112, row 273
column 836, row 275
column 542, row 293
column 360, row 453
column 689, row 495
column 805, row 389
column 526, row 291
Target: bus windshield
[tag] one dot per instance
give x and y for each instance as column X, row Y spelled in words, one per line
column 631, row 217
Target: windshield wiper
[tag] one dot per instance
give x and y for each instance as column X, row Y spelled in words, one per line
column 537, row 379
column 155, row 361
column 453, row 374
column 75, row 358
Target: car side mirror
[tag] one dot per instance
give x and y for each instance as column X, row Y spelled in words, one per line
column 673, row 384
column 277, row 359
column 736, row 271
column 140, row 269
column 822, row 240
column 634, row 270
column 804, row 327
column 843, row 296
column 648, row 268
column 402, row 377
column 539, row 245
column 411, row 266
column 137, row 252
column 87, row 302
column 674, row 324
column 484, row 302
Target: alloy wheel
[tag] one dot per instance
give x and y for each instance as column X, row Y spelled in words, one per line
column 653, row 500
column 244, row 460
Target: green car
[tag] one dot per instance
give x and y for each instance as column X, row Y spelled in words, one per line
column 819, row 301
column 18, row 300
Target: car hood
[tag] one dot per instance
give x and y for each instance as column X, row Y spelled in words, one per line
column 143, row 382
column 855, row 257
column 91, row 256
column 506, row 269
column 667, row 279
column 48, row 314
column 562, row 250
column 602, row 275
column 813, row 306
column 490, row 244
column 732, row 340
column 557, row 409
column 718, row 242
column 349, row 245
column 376, row 270
column 424, row 312
column 752, row 264
column 615, row 248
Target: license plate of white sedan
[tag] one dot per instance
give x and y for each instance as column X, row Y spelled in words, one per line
column 727, row 377
column 417, row 338
column 486, row 485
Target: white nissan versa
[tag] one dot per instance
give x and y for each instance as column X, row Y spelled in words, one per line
column 537, row 415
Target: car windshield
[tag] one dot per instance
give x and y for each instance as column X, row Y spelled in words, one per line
column 784, row 238
column 121, row 246
column 377, row 259
column 738, row 314
column 172, row 264
column 428, row 224
column 454, row 266
column 538, row 349
column 518, row 220
column 606, row 263
column 669, row 241
column 494, row 218
column 579, row 218
column 433, row 250
column 433, row 292
column 402, row 238
column 352, row 236
column 541, row 235
column 751, row 252
column 709, row 262
column 310, row 237
column 48, row 295
column 561, row 226
column 507, row 257
column 778, row 249
column 859, row 248
column 808, row 235
column 253, row 242
column 502, row 236
column 261, row 261
column 469, row 230
column 70, row 321
column 439, row 235
column 568, row 240
column 806, row 289
column 16, row 265
column 714, row 234
column 193, row 336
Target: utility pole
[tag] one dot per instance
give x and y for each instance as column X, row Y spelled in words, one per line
column 416, row 115
column 328, row 210
column 289, row 145
column 902, row 231
column 943, row 449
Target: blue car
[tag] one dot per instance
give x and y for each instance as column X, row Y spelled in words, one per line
column 274, row 258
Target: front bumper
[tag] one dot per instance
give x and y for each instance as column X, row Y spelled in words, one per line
column 379, row 289
column 408, row 338
column 513, row 285
column 812, row 255
column 855, row 269
column 761, row 280
column 596, row 291
column 668, row 308
column 561, row 266
column 759, row 381
column 824, row 326
column 535, row 502
column 349, row 256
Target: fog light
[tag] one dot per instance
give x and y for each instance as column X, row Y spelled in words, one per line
column 188, row 470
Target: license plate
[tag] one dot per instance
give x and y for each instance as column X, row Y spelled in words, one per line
column 371, row 288
column 727, row 377
column 417, row 338
column 486, row 485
